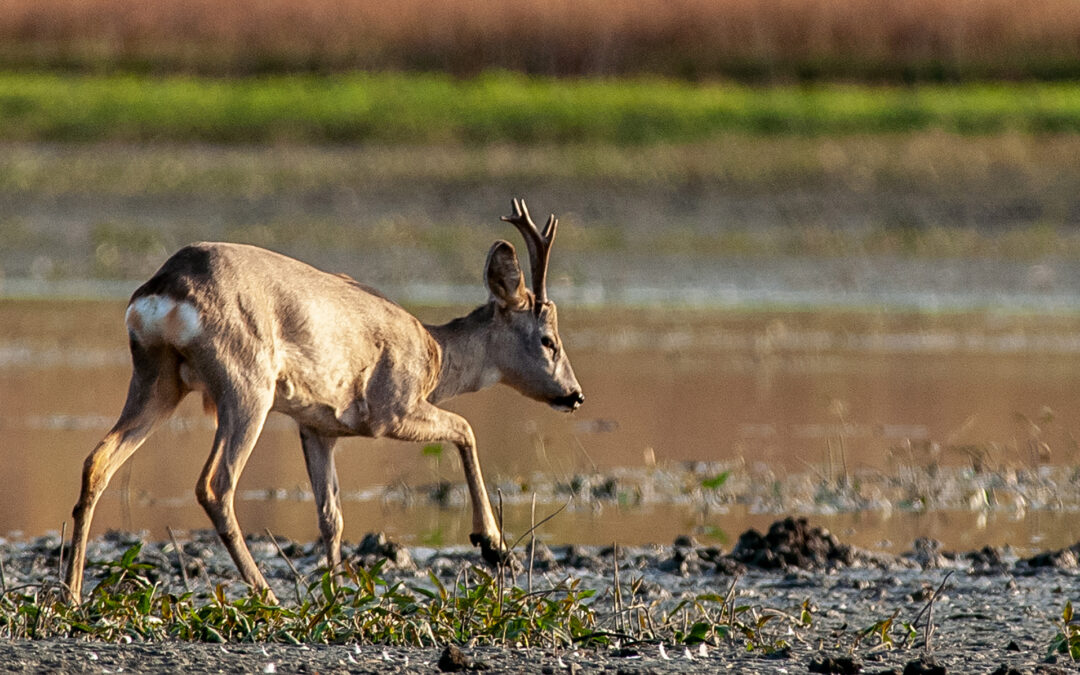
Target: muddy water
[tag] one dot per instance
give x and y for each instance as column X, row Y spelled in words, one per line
column 839, row 398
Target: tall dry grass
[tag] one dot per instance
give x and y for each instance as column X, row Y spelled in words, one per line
column 748, row 39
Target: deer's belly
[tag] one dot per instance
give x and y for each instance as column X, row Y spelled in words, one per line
column 342, row 419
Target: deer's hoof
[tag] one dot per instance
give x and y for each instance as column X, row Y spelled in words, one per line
column 493, row 554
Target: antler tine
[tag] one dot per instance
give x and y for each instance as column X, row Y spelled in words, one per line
column 539, row 245
column 549, row 229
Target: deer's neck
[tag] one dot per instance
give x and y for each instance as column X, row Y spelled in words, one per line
column 467, row 365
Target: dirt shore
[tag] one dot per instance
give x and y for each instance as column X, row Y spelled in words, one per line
column 991, row 611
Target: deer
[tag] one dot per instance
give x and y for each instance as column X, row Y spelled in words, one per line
column 254, row 332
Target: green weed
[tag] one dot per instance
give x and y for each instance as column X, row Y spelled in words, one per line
column 356, row 605
column 1067, row 639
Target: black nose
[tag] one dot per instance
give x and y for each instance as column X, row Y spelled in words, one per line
column 570, row 401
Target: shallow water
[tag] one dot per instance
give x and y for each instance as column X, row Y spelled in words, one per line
column 790, row 403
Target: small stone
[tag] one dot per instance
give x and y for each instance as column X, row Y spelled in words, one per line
column 453, row 660
column 926, row 665
column 835, row 665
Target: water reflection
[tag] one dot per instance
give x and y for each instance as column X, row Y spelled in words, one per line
column 837, row 398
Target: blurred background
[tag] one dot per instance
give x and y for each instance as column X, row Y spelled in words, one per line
column 814, row 257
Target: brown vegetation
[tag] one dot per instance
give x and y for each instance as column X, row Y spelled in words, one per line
column 746, row 39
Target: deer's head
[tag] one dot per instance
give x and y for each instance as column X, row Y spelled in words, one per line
column 528, row 351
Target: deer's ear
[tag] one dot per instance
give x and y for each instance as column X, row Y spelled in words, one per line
column 504, row 278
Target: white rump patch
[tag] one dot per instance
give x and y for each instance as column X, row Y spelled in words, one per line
column 158, row 318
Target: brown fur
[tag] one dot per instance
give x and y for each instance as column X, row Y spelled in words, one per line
column 274, row 334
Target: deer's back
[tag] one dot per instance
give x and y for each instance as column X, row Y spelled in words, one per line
column 326, row 340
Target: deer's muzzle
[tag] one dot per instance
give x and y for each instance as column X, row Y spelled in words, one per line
column 568, row 403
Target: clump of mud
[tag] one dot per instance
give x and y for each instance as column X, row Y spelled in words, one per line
column 375, row 547
column 793, row 543
column 1065, row 559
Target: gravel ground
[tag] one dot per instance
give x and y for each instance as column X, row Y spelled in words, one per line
column 995, row 612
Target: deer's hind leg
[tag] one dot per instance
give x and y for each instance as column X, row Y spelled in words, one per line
column 242, row 408
column 153, row 394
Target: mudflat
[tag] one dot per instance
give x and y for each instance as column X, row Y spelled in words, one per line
column 804, row 601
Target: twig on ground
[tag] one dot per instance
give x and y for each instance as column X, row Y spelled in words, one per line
column 532, row 541
column 60, row 562
column 297, row 577
column 928, row 609
column 180, row 557
column 544, row 520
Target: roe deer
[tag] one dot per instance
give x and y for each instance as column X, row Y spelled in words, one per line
column 255, row 331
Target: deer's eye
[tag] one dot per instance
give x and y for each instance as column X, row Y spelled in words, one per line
column 548, row 344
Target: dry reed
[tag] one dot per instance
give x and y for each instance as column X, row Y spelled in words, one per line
column 763, row 40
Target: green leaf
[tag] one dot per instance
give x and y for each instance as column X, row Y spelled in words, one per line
column 433, row 450
column 130, row 555
column 328, row 587
column 716, row 481
column 212, row 635
column 699, row 632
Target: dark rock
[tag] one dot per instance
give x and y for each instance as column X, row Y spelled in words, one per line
column 683, row 561
column 685, row 541
column 581, row 558
column 375, row 547
column 710, row 553
column 792, row 543
column 844, row 665
column 543, row 560
column 926, row 665
column 1064, row 559
column 729, row 567
column 987, row 560
column 453, row 660
column 927, row 553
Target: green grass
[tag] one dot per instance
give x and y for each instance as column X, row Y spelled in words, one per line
column 360, row 606
column 501, row 107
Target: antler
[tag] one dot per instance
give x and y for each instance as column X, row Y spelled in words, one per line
column 539, row 244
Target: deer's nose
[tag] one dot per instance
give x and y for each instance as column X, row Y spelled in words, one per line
column 570, row 402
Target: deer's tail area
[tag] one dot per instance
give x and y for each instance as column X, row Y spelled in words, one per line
column 159, row 321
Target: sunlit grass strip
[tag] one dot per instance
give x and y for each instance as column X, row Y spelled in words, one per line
column 502, row 108
column 360, row 606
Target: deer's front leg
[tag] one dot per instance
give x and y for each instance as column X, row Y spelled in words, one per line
column 427, row 424
column 486, row 533
column 319, row 458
